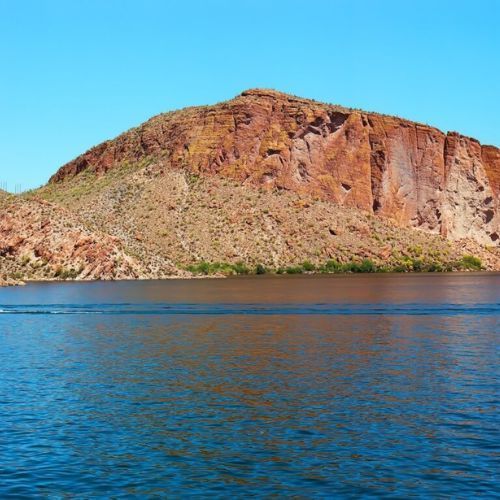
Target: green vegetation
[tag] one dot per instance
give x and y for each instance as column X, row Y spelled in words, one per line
column 207, row 268
column 294, row 270
column 405, row 265
column 471, row 263
column 87, row 183
column 260, row 269
column 66, row 274
column 308, row 266
column 332, row 266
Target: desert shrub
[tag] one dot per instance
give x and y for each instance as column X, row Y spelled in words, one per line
column 367, row 266
column 65, row 274
column 417, row 250
column 471, row 263
column 260, row 269
column 293, row 270
column 331, row 266
column 400, row 267
column 417, row 265
column 434, row 267
column 308, row 266
column 240, row 268
column 350, row 267
column 204, row 268
column 221, row 268
column 207, row 268
column 200, row 268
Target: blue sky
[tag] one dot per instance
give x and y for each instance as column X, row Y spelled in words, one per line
column 74, row 73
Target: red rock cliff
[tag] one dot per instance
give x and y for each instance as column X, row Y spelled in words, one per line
column 413, row 173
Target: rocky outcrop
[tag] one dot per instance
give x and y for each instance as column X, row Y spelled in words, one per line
column 171, row 220
column 39, row 240
column 412, row 173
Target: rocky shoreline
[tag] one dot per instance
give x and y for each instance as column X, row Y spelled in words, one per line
column 12, row 282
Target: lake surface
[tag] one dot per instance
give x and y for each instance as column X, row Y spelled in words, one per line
column 328, row 386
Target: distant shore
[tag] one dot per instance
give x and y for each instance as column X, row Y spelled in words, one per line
column 13, row 283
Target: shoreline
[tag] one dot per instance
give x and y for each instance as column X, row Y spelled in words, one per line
column 243, row 276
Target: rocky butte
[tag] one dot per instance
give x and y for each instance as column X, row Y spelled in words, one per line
column 265, row 178
column 413, row 173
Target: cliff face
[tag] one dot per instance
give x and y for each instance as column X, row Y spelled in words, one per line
column 170, row 220
column 412, row 173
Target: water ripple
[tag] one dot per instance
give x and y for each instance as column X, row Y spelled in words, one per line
column 376, row 387
column 411, row 309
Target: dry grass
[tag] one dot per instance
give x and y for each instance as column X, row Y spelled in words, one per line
column 170, row 219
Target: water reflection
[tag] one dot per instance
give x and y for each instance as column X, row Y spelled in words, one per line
column 340, row 405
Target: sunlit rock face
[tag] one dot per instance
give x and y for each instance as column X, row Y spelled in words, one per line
column 409, row 172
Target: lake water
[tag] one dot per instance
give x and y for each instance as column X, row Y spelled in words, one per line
column 328, row 386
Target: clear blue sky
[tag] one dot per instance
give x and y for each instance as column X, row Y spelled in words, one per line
column 77, row 72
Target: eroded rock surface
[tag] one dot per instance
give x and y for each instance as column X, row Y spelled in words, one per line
column 39, row 240
column 171, row 218
column 415, row 174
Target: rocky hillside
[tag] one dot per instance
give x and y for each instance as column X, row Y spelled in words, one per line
column 172, row 219
column 264, row 182
column 39, row 240
column 416, row 175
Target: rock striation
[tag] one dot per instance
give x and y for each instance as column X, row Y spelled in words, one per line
column 39, row 240
column 414, row 174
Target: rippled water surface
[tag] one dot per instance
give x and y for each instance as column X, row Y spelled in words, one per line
column 343, row 386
